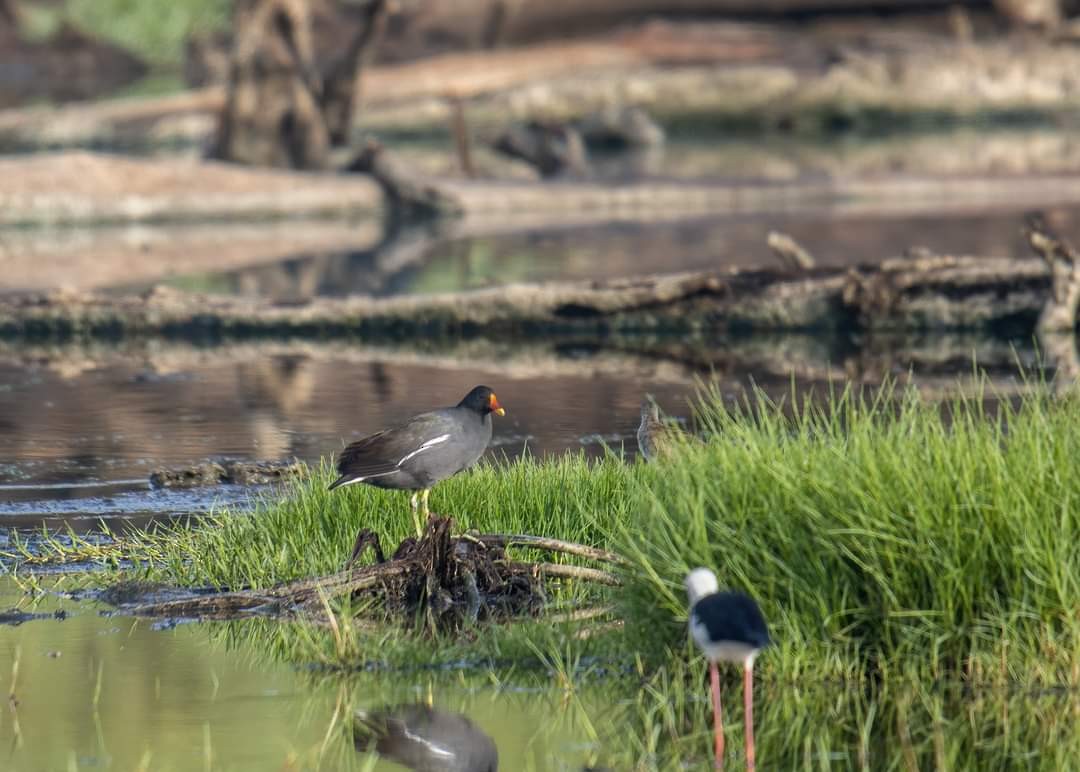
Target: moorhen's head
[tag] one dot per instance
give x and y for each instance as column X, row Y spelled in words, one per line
column 482, row 400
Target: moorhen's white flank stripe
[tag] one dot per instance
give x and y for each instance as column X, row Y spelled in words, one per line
column 421, row 449
column 425, row 446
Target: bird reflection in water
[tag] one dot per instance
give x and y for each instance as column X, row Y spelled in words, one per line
column 425, row 739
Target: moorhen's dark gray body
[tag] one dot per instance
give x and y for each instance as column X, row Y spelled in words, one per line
column 428, row 448
column 426, row 739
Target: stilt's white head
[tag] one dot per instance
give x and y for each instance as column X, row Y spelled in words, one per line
column 699, row 583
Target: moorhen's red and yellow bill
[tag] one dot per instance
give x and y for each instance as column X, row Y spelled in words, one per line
column 426, row 449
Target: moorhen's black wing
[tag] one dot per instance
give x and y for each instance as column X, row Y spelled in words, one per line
column 428, row 448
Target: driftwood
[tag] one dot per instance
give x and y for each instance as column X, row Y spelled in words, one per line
column 1056, row 327
column 408, row 194
column 447, row 579
column 272, row 115
column 341, row 90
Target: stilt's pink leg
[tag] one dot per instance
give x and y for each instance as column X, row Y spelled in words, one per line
column 718, row 722
column 748, row 710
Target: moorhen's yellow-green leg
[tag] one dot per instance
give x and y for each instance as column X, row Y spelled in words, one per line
column 414, row 504
column 420, row 512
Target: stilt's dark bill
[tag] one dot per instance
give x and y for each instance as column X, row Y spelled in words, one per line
column 727, row 627
column 426, row 449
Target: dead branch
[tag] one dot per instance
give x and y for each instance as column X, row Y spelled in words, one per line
column 1059, row 313
column 790, row 252
column 451, row 581
column 553, row 545
column 565, row 571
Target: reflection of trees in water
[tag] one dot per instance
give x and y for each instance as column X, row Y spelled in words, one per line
column 375, row 271
column 273, row 390
column 454, row 256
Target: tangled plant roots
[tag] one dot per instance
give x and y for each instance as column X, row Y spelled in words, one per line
column 444, row 579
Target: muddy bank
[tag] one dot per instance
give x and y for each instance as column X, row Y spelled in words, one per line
column 110, row 257
column 78, row 187
column 73, row 188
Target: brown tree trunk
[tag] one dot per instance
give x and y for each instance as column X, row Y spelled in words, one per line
column 8, row 14
column 272, row 114
column 342, row 90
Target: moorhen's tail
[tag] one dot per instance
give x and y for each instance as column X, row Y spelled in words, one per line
column 344, row 480
column 363, row 459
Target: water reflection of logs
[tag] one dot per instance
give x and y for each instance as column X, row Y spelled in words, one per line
column 449, row 579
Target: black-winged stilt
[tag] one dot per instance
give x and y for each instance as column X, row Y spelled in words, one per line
column 728, row 627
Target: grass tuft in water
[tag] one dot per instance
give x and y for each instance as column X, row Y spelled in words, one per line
column 883, row 536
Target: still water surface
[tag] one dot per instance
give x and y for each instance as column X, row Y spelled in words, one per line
column 110, row 692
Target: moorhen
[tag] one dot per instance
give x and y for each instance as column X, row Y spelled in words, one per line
column 728, row 627
column 426, row 449
column 425, row 739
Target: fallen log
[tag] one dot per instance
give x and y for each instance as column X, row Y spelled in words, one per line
column 928, row 292
column 89, row 188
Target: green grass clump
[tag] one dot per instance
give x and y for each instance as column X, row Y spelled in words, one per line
column 153, row 30
column 309, row 530
column 884, row 537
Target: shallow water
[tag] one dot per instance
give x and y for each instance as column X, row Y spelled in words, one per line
column 92, row 691
column 427, row 260
column 83, row 428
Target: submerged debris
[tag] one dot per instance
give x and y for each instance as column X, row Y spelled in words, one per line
column 228, row 472
column 15, row 617
column 442, row 579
